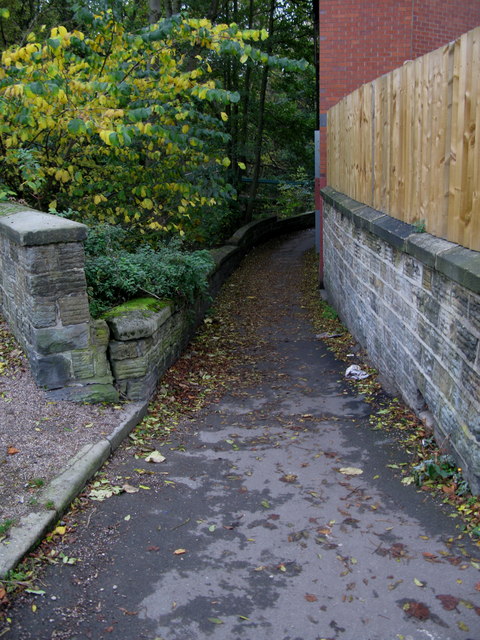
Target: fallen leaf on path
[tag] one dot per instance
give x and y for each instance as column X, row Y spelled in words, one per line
column 12, row 451
column 310, row 597
column 102, row 494
column 128, row 613
column 417, row 610
column 215, row 620
column 288, row 477
column 155, row 456
column 418, row 582
column 325, row 531
column 153, row 547
column 128, row 488
column 179, row 552
column 351, row 471
column 59, row 530
column 448, row 602
column 394, row 585
column 477, row 586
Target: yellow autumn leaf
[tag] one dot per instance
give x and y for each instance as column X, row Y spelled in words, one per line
column 105, row 136
column 226, row 162
column 224, row 116
column 60, row 530
column 146, row 203
column 242, row 165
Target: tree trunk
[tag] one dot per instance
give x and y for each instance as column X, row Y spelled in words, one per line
column 155, row 11
column 261, row 120
column 213, row 11
column 246, row 94
column 171, row 7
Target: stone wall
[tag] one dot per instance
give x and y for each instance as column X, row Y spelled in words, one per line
column 43, row 296
column 148, row 335
column 413, row 302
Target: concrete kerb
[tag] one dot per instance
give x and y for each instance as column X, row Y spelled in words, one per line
column 63, row 489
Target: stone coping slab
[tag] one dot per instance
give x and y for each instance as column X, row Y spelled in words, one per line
column 458, row 263
column 138, row 318
column 28, row 227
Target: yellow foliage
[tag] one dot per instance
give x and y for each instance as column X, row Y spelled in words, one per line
column 66, row 113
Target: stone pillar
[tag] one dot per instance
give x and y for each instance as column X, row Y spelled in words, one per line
column 43, row 297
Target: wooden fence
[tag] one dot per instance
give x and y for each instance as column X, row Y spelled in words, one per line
column 408, row 143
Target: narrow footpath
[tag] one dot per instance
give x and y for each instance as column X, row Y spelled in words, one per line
column 273, row 517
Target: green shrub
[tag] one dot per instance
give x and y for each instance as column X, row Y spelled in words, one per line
column 115, row 275
column 296, row 198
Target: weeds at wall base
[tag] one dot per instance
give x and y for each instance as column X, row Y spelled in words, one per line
column 430, row 467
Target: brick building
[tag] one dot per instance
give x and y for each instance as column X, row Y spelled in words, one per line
column 363, row 39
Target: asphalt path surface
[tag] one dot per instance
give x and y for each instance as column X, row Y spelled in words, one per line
column 255, row 527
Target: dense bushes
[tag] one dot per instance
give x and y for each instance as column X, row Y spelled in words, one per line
column 115, row 275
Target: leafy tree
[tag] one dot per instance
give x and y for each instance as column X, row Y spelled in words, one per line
column 271, row 127
column 125, row 127
column 20, row 17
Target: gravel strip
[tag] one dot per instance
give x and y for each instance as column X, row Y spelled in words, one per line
column 39, row 436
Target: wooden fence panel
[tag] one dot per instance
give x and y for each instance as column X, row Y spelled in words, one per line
column 407, row 145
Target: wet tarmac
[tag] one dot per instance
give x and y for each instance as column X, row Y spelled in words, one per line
column 277, row 518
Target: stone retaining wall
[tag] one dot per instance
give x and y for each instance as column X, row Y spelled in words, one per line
column 148, row 335
column 413, row 302
column 43, row 296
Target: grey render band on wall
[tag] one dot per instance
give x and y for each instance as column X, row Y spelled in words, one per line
column 413, row 302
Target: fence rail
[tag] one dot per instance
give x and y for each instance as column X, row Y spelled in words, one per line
column 408, row 143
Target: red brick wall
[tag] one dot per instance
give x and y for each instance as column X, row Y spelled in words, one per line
column 362, row 39
column 436, row 22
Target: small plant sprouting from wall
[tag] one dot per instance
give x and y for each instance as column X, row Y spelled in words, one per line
column 420, row 226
